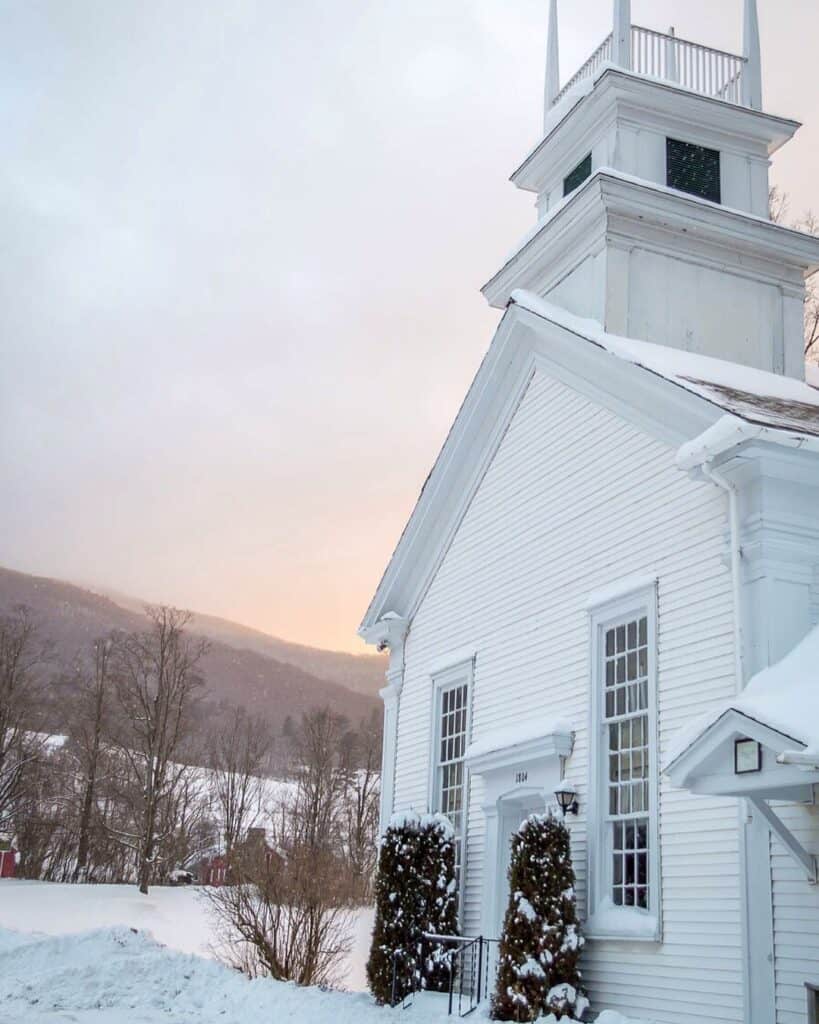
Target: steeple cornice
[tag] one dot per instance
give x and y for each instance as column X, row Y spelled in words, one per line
column 617, row 90
column 610, row 209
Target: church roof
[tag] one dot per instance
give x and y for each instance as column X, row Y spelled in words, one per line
column 754, row 395
column 694, row 403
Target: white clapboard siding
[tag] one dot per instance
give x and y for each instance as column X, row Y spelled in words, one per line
column 815, row 597
column 575, row 499
column 796, row 916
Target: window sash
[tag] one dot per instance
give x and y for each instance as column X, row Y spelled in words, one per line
column 451, row 732
column 609, row 882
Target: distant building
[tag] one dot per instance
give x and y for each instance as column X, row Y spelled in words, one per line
column 610, row 581
column 8, row 860
column 213, row 868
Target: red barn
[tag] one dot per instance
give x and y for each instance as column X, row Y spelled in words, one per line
column 8, row 862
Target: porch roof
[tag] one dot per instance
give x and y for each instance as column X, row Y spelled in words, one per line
column 779, row 707
column 521, row 735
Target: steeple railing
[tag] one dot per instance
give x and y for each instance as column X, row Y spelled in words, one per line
column 600, row 57
column 661, row 55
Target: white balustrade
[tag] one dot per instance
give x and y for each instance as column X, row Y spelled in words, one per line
column 659, row 55
column 600, row 56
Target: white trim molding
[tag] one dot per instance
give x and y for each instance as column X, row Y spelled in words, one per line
column 521, row 768
column 457, row 673
column 390, row 632
column 605, row 920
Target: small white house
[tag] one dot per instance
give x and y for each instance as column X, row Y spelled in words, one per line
column 611, row 576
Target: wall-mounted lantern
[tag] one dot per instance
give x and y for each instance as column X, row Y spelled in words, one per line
column 566, row 798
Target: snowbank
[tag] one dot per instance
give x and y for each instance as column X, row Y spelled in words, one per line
column 117, row 975
column 121, row 976
column 176, row 917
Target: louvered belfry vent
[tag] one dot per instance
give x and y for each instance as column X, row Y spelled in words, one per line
column 694, row 169
column 576, row 177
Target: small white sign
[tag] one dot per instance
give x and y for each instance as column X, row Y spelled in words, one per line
column 747, row 757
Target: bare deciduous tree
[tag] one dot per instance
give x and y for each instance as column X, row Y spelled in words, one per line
column 361, row 806
column 287, row 917
column 322, row 774
column 92, row 704
column 778, row 204
column 21, row 653
column 239, row 756
column 156, row 685
column 288, row 913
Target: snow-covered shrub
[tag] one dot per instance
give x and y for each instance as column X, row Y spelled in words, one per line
column 415, row 892
column 540, row 942
column 438, row 908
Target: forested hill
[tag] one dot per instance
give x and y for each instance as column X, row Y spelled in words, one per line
column 268, row 676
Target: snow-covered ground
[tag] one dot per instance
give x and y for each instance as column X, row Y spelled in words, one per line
column 106, row 955
column 118, row 976
column 176, row 917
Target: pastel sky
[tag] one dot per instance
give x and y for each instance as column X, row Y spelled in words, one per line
column 242, row 246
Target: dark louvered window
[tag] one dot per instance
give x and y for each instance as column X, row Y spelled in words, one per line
column 813, row 1003
column 576, row 177
column 693, row 169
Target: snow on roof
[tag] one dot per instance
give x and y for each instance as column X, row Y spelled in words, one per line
column 517, row 735
column 754, row 395
column 812, row 374
column 653, row 186
column 783, row 697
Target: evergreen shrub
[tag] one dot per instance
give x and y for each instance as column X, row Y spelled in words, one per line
column 415, row 893
column 540, row 942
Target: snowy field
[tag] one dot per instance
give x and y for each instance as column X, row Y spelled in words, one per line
column 103, row 954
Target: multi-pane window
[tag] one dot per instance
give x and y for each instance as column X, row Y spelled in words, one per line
column 452, row 732
column 626, row 723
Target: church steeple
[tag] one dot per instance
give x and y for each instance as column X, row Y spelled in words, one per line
column 552, row 62
column 652, row 197
column 752, row 75
column 621, row 34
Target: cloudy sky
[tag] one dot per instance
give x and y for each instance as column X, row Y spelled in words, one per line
column 241, row 250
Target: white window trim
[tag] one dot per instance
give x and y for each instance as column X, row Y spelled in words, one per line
column 456, row 674
column 604, row 919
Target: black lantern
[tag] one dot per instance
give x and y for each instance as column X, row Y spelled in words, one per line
column 566, row 798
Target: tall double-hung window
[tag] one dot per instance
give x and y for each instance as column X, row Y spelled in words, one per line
column 624, row 875
column 451, row 736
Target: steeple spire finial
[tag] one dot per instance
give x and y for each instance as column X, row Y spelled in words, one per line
column 552, row 61
column 621, row 37
column 751, row 80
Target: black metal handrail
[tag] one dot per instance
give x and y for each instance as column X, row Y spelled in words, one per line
column 469, row 963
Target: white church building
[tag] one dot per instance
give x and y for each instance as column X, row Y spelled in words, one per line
column 610, row 581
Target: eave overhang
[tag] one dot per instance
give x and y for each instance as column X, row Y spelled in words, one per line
column 618, row 93
column 552, row 744
column 524, row 343
column 611, row 207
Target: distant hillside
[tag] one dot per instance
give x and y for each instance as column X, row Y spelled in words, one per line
column 240, row 667
column 363, row 673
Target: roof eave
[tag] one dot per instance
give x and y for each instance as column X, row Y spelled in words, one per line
column 777, row 130
column 480, row 424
